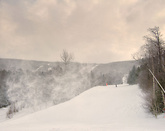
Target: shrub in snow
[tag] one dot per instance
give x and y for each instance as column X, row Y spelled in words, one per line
column 11, row 111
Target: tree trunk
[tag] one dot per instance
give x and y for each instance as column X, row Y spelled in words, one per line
column 153, row 93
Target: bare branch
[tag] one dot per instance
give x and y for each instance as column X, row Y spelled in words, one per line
column 66, row 57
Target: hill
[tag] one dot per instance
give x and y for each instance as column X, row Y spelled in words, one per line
column 10, row 64
column 101, row 108
column 27, row 84
column 15, row 64
column 115, row 67
column 31, row 83
column 112, row 73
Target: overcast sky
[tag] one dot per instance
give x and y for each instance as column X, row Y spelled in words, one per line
column 95, row 31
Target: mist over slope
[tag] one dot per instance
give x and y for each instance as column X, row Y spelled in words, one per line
column 31, row 83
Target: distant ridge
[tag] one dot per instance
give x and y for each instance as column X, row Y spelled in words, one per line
column 12, row 64
column 122, row 67
column 114, row 72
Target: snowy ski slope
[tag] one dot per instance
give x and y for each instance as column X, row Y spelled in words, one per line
column 103, row 108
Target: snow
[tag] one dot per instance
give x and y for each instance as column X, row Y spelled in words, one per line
column 39, row 68
column 102, row 108
column 124, row 79
column 3, row 114
column 94, row 67
column 49, row 69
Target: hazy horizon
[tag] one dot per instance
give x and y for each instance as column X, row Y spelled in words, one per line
column 62, row 61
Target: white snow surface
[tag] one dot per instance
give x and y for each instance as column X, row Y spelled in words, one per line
column 102, row 108
column 94, row 67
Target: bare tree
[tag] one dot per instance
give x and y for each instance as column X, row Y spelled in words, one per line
column 155, row 45
column 66, row 57
column 152, row 59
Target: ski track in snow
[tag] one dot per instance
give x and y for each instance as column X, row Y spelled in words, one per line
column 102, row 108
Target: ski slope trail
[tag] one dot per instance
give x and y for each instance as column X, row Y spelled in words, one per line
column 103, row 108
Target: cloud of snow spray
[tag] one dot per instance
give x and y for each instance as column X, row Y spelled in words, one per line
column 35, row 85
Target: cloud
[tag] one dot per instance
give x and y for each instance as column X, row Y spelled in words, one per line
column 94, row 30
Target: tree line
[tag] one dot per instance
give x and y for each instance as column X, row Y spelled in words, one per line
column 151, row 58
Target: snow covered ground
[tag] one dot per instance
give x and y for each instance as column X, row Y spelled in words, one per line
column 103, row 108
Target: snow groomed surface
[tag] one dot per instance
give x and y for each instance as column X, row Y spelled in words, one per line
column 102, row 108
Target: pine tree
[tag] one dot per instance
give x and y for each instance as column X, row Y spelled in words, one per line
column 133, row 76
